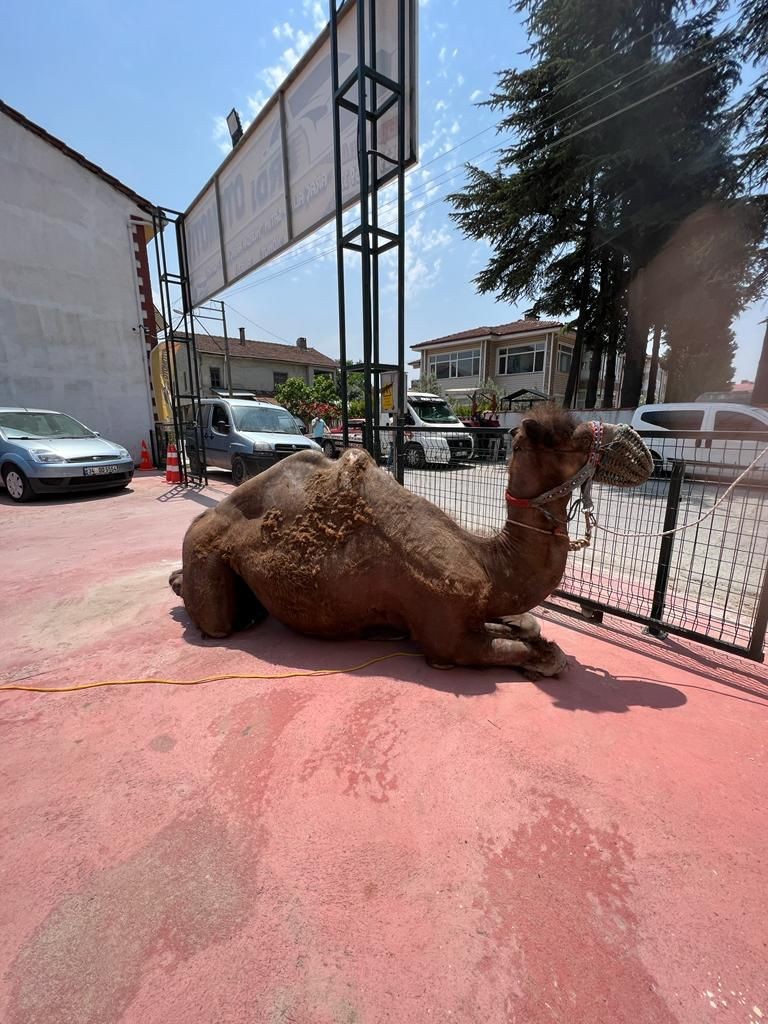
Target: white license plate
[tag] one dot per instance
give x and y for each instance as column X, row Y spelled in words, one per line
column 100, row 470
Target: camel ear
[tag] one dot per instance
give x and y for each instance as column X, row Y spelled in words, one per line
column 532, row 429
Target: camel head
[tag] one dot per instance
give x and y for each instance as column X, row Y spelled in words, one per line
column 552, row 447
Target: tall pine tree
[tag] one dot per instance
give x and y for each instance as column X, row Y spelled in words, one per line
column 619, row 135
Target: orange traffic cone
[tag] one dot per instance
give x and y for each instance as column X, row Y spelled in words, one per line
column 172, row 471
column 146, row 458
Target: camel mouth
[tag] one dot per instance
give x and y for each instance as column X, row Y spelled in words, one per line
column 625, row 461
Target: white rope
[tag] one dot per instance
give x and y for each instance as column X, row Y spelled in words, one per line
column 696, row 522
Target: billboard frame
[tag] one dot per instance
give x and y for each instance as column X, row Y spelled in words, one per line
column 369, row 239
column 277, row 100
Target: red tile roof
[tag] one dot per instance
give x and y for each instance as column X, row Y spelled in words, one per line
column 30, row 126
column 268, row 350
column 499, row 331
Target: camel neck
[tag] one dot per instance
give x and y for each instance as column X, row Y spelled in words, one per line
column 523, row 565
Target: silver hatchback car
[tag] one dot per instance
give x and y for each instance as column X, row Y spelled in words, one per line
column 47, row 452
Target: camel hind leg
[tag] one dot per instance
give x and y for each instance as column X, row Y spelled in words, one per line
column 217, row 600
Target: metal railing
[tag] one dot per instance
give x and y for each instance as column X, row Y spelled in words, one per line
column 708, row 582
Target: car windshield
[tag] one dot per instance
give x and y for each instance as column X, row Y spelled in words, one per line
column 258, row 419
column 35, row 425
column 433, row 410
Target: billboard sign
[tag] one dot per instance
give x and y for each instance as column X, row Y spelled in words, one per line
column 277, row 185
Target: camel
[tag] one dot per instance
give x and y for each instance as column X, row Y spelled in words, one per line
column 340, row 549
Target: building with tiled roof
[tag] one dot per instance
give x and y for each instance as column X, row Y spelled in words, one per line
column 257, row 366
column 523, row 354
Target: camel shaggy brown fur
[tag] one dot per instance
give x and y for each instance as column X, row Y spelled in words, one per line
column 336, row 549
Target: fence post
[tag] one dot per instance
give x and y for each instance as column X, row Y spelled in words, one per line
column 665, row 550
column 757, row 637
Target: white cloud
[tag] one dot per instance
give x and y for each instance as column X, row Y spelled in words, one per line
column 441, row 105
column 284, row 31
column 459, row 80
column 455, row 53
column 317, row 11
column 423, row 3
column 422, row 266
column 276, row 74
column 256, row 102
column 442, row 54
column 455, row 128
column 476, row 95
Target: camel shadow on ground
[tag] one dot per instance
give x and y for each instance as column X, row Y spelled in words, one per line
column 581, row 688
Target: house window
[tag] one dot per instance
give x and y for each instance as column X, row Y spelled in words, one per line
column 564, row 357
column 455, row 364
column 522, row 359
column 215, row 376
column 278, row 379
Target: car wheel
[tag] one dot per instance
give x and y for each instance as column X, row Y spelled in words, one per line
column 239, row 471
column 329, row 448
column 17, row 484
column 414, row 456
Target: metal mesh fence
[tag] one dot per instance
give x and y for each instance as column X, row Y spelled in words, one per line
column 707, row 582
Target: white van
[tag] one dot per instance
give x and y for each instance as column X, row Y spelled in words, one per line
column 452, row 444
column 710, row 456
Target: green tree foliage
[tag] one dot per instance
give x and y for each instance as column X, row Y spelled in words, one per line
column 621, row 134
column 294, row 394
column 324, row 390
column 305, row 402
column 751, row 113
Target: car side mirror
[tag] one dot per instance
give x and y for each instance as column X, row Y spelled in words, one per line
column 96, row 433
column 304, row 429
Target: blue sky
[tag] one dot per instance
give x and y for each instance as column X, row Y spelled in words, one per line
column 141, row 88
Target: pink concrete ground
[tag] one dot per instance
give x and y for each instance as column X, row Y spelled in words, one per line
column 400, row 844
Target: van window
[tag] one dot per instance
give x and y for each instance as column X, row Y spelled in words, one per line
column 743, row 421
column 674, row 419
column 255, row 419
column 219, row 416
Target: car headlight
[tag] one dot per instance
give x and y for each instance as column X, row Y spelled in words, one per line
column 262, row 446
column 44, row 455
column 124, row 453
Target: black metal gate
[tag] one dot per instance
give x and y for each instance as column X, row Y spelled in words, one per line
column 183, row 375
column 708, row 582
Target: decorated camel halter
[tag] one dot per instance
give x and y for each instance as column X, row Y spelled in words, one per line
column 583, row 480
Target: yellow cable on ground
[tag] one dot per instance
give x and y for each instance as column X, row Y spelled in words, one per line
column 208, row 679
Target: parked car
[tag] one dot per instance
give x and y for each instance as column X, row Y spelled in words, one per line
column 47, row 452
column 706, row 456
column 333, row 442
column 245, row 436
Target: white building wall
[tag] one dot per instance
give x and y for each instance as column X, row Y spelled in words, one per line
column 68, row 292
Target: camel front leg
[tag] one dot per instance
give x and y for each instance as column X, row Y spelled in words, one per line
column 534, row 657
